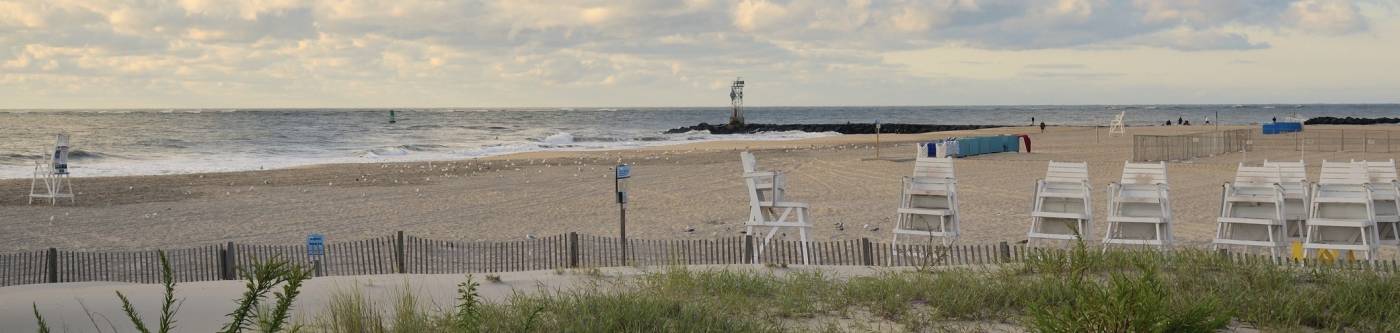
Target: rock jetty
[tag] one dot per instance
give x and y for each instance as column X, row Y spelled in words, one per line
column 848, row 128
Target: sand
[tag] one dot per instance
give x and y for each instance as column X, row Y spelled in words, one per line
column 674, row 188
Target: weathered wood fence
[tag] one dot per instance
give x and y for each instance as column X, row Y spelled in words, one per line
column 1329, row 140
column 1189, row 146
column 406, row 254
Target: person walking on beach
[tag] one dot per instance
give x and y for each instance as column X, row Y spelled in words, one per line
column 1032, row 121
column 1042, row 127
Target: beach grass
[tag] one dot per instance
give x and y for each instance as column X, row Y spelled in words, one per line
column 1073, row 290
column 1056, row 291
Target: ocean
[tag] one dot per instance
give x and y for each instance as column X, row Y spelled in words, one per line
column 154, row 142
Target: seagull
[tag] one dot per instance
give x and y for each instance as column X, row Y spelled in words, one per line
column 529, row 236
column 689, row 229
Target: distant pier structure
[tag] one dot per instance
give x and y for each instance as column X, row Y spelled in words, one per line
column 736, row 101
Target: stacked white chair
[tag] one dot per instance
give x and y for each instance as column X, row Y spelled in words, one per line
column 1385, row 189
column 53, row 173
column 1252, row 210
column 767, row 208
column 928, row 205
column 1061, row 210
column 1296, row 195
column 1343, row 211
column 1139, row 207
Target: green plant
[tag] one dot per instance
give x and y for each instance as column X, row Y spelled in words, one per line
column 260, row 280
column 468, row 316
column 167, row 308
column 43, row 326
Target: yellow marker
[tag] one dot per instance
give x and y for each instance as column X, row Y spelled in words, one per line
column 1326, row 256
column 1297, row 250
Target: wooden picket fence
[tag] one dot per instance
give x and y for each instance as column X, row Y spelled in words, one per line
column 406, row 254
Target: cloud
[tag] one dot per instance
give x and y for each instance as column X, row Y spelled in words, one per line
column 340, row 50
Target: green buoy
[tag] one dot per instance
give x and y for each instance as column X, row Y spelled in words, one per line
column 391, row 117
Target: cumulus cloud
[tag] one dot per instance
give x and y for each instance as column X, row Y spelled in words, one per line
column 340, row 48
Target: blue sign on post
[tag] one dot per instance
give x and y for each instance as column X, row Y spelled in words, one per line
column 315, row 245
column 624, row 171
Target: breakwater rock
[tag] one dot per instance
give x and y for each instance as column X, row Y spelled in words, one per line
column 1351, row 121
column 848, row 128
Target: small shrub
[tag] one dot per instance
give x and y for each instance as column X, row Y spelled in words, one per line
column 260, row 280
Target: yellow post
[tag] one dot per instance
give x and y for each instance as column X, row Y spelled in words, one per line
column 1297, row 250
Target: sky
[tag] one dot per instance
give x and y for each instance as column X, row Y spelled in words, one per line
column 567, row 53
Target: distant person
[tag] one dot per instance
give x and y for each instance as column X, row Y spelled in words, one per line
column 1032, row 121
column 1276, row 119
column 1042, row 127
column 1169, row 122
column 1188, row 123
column 1178, row 120
column 1207, row 121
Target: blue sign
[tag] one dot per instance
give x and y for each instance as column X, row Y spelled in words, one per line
column 315, row 245
column 624, row 171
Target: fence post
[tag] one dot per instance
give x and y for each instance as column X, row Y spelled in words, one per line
column 399, row 253
column 1004, row 250
column 573, row 250
column 230, row 268
column 52, row 262
column 748, row 250
column 867, row 253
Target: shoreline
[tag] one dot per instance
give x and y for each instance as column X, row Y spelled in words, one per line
column 545, row 153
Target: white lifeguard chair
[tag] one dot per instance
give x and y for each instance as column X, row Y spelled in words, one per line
column 1385, row 190
column 1343, row 211
column 1297, row 194
column 1252, row 210
column 929, row 202
column 1116, row 126
column 767, row 208
column 53, row 173
column 1062, row 209
column 1139, row 207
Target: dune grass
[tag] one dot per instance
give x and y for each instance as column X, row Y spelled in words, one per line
column 1055, row 291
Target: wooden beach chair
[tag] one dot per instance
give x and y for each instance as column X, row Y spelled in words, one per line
column 767, row 208
column 1139, row 207
column 1061, row 209
column 1297, row 191
column 1343, row 211
column 53, row 173
column 1385, row 189
column 1252, row 210
column 928, row 206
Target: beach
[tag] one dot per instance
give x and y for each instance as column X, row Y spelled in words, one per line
column 674, row 188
